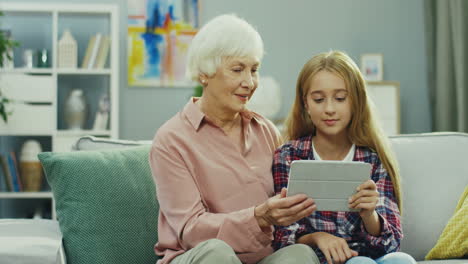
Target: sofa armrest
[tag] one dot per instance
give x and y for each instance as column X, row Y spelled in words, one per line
column 96, row 143
column 25, row 241
column 61, row 257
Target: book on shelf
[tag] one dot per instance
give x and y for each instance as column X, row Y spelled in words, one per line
column 103, row 52
column 84, row 63
column 91, row 51
column 92, row 58
column 6, row 173
column 14, row 172
column 10, row 172
column 3, row 180
column 3, row 186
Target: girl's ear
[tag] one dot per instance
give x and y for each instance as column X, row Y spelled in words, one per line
column 306, row 106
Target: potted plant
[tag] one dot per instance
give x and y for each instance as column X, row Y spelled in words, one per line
column 198, row 91
column 6, row 44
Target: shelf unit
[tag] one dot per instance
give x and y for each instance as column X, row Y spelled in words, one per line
column 39, row 26
column 49, row 71
column 31, row 195
column 386, row 98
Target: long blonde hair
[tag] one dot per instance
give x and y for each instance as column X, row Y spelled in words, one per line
column 363, row 130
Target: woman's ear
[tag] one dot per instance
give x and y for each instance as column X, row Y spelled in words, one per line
column 203, row 79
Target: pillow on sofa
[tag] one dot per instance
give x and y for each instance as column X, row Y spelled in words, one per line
column 453, row 242
column 106, row 204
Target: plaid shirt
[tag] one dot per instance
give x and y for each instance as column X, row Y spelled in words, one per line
column 347, row 225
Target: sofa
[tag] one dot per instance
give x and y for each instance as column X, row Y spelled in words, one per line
column 433, row 167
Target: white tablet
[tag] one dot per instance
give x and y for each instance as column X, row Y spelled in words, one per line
column 329, row 183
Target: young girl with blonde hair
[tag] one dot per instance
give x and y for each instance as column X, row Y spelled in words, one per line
column 332, row 119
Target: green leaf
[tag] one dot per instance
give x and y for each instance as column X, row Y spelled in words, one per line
column 198, row 91
column 3, row 112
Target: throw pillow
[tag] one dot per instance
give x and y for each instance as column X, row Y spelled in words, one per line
column 106, row 204
column 453, row 242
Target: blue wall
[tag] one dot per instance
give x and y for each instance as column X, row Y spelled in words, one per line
column 293, row 31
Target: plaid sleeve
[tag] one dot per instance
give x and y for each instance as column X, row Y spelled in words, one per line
column 281, row 164
column 285, row 235
column 387, row 209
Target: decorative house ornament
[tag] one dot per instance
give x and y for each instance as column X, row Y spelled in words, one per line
column 67, row 51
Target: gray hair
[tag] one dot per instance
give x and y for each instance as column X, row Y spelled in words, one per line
column 223, row 36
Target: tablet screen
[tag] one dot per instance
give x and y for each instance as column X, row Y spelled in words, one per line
column 329, row 183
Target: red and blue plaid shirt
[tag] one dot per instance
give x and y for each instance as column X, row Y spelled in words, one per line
column 347, row 225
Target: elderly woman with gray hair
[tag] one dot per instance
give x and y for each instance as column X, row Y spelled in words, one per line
column 212, row 161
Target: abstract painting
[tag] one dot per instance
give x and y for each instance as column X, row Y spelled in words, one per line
column 159, row 34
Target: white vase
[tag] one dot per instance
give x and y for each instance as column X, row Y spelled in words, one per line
column 30, row 167
column 75, row 110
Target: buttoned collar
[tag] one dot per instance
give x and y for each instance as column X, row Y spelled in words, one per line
column 196, row 117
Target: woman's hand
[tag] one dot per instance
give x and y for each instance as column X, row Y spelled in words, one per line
column 283, row 211
column 365, row 199
column 335, row 249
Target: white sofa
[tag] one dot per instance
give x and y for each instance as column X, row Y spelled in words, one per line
column 434, row 172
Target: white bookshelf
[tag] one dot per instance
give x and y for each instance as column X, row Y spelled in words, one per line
column 77, row 71
column 31, row 195
column 25, row 195
column 39, row 26
column 26, row 70
column 85, row 71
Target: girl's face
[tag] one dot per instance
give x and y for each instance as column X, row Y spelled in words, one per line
column 233, row 84
column 328, row 104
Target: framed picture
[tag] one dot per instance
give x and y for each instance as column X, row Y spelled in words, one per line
column 386, row 98
column 372, row 66
column 159, row 34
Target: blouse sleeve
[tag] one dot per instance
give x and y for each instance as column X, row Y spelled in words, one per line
column 181, row 204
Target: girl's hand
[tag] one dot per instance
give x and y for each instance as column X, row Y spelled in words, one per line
column 335, row 249
column 365, row 199
column 283, row 211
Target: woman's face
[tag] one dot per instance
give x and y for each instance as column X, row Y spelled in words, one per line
column 328, row 104
column 233, row 84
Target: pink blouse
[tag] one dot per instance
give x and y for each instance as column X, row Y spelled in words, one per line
column 207, row 188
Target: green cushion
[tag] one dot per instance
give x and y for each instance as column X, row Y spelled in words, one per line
column 106, row 204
